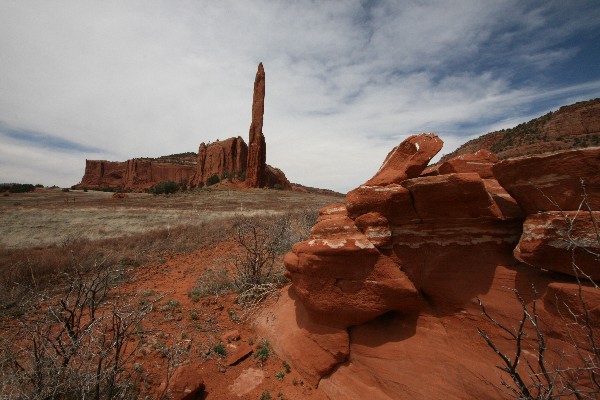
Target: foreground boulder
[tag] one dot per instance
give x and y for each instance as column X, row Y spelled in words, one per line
column 342, row 279
column 565, row 242
column 402, row 264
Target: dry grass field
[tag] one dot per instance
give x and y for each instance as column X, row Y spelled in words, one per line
column 47, row 231
column 51, row 217
column 169, row 261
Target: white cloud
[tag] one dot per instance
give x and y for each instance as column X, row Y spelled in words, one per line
column 345, row 83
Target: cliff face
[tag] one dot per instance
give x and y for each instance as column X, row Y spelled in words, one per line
column 133, row 175
column 573, row 126
column 220, row 158
column 385, row 290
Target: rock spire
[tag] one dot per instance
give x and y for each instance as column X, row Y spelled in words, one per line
column 257, row 149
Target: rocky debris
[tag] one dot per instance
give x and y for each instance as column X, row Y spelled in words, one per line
column 480, row 162
column 553, row 182
column 392, row 201
column 565, row 242
column 247, row 381
column 221, row 158
column 240, row 352
column 119, row 195
column 257, row 149
column 407, row 160
column 185, row 384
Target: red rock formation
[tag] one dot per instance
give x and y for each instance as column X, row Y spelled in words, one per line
column 185, row 384
column 557, row 240
column 219, row 158
column 552, row 182
column 133, row 175
column 400, row 266
column 480, row 162
column 407, row 160
column 230, row 157
column 257, row 149
column 275, row 178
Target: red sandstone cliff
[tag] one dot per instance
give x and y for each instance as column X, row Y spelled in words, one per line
column 221, row 157
column 383, row 302
column 133, row 175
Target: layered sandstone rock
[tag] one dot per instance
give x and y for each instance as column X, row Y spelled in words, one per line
column 554, row 181
column 257, row 149
column 133, row 175
column 401, row 264
column 565, row 242
column 480, row 162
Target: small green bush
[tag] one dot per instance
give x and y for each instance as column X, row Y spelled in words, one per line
column 263, row 351
column 266, row 395
column 17, row 188
column 165, row 187
column 213, row 180
column 279, row 375
column 220, row 350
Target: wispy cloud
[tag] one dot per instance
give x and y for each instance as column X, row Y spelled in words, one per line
column 46, row 141
column 345, row 80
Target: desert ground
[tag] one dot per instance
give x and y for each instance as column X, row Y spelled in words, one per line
column 173, row 254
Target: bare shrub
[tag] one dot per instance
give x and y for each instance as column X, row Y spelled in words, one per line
column 576, row 371
column 260, row 242
column 81, row 344
column 23, row 271
column 258, row 273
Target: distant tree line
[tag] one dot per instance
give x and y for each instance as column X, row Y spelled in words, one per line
column 18, row 187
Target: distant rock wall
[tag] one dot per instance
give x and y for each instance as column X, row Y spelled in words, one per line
column 133, row 175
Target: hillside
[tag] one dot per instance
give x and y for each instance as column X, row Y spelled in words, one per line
column 573, row 126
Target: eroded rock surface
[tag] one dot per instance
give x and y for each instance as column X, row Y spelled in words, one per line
column 407, row 160
column 221, row 158
column 553, row 182
column 401, row 264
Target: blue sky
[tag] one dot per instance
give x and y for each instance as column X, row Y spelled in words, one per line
column 346, row 80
